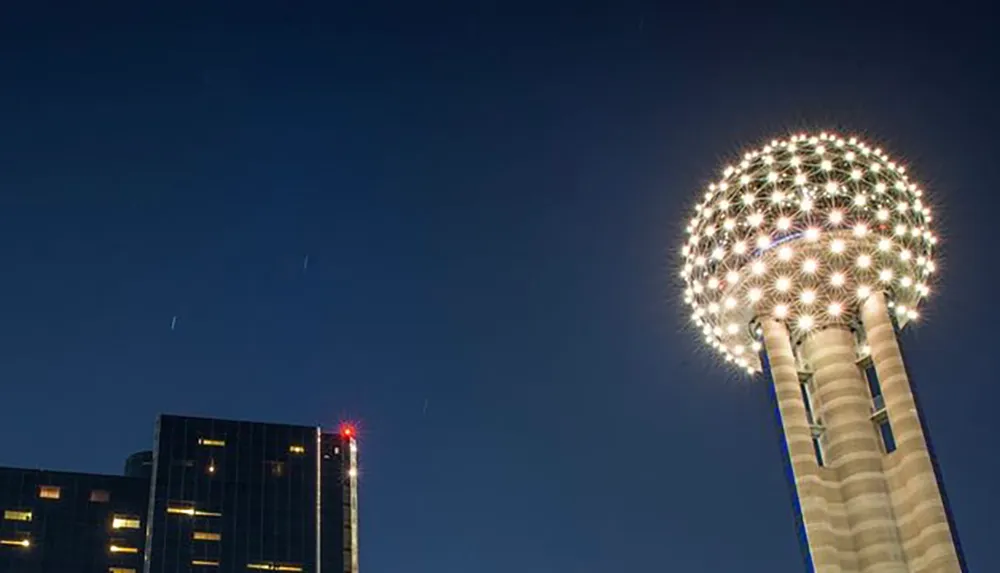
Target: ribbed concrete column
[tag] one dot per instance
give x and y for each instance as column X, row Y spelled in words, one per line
column 923, row 522
column 852, row 449
column 825, row 548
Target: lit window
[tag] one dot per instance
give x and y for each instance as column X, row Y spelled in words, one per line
column 297, row 449
column 125, row 522
column 287, row 568
column 273, row 567
column 16, row 542
column 14, row 515
column 188, row 509
column 100, row 496
column 211, row 443
column 203, row 563
column 181, row 509
column 260, row 566
column 207, row 536
column 123, row 549
column 49, row 492
column 121, row 570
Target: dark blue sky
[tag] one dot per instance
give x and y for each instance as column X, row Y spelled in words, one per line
column 489, row 194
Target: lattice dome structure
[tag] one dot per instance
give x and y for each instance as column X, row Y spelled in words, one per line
column 804, row 229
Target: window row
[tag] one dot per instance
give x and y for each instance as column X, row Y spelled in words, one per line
column 217, row 443
column 55, row 492
column 117, row 521
column 251, row 566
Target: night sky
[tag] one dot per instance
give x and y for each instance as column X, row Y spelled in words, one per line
column 491, row 196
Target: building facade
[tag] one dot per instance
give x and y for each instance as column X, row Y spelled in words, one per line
column 60, row 522
column 212, row 496
column 231, row 496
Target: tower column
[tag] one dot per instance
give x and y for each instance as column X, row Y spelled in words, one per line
column 815, row 496
column 852, row 449
column 919, row 507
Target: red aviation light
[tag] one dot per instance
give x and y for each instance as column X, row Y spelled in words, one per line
column 347, row 431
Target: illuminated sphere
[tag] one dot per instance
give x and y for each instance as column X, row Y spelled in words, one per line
column 804, row 229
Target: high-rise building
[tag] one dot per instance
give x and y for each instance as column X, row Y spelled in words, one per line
column 232, row 496
column 60, row 522
column 213, row 496
column 803, row 261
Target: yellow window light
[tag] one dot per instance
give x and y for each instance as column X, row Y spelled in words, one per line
column 49, row 492
column 16, row 542
column 274, row 567
column 204, row 563
column 297, row 449
column 16, row 515
column 189, row 509
column 207, row 536
column 211, row 442
column 180, row 509
column 125, row 522
column 123, row 549
column 121, row 570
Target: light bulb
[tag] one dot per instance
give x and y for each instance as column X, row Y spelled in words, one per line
column 834, row 309
column 808, row 297
column 809, row 266
column 837, row 279
column 783, row 284
column 837, row 246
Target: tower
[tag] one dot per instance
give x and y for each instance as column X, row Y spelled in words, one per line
column 803, row 261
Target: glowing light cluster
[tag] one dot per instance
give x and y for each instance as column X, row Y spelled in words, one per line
column 804, row 229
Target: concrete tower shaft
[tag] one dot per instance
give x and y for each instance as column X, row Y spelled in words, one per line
column 869, row 498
